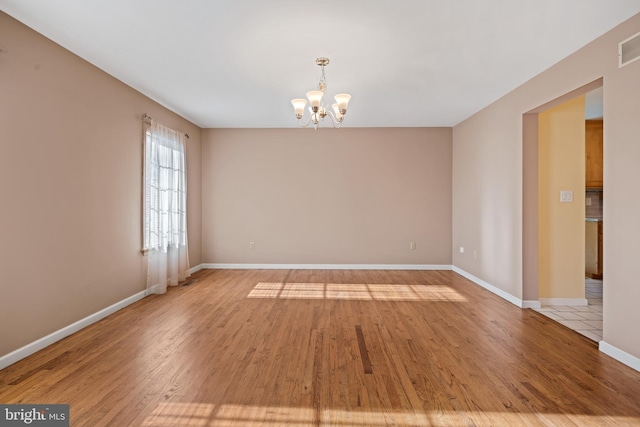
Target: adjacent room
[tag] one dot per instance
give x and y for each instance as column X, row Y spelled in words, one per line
column 344, row 213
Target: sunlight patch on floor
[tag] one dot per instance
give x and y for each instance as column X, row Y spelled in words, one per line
column 356, row 291
column 176, row 414
column 181, row 414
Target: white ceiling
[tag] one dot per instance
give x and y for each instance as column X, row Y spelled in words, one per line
column 238, row 63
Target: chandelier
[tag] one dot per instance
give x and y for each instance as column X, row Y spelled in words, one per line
column 317, row 108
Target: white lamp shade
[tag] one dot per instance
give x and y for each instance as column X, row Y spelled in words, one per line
column 298, row 105
column 343, row 101
column 315, row 97
column 336, row 110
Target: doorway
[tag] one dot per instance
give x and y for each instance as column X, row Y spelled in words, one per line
column 594, row 202
column 554, row 212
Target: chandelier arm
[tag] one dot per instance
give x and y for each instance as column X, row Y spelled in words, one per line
column 306, row 124
column 334, row 121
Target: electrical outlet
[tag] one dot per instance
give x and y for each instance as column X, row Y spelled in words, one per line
column 412, row 246
column 475, row 254
column 588, row 201
column 461, row 249
column 252, row 245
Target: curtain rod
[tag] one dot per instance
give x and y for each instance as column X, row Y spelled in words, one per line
column 148, row 117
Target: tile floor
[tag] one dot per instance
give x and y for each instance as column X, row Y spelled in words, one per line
column 584, row 320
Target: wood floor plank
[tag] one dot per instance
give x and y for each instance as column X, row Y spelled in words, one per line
column 327, row 347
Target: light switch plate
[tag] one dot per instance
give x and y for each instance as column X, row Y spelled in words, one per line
column 566, row 196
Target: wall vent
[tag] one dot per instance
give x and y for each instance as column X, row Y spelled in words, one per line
column 629, row 50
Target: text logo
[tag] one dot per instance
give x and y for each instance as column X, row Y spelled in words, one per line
column 34, row 415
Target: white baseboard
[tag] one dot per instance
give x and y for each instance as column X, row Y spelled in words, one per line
column 502, row 294
column 195, row 269
column 327, row 266
column 619, row 355
column 29, row 349
column 531, row 304
column 564, row 301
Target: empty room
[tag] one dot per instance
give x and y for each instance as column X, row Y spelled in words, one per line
column 251, row 213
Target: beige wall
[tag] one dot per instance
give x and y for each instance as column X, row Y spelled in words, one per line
column 70, row 180
column 561, row 166
column 487, row 182
column 530, row 207
column 354, row 196
column 488, row 171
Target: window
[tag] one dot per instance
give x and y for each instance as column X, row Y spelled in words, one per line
column 165, row 207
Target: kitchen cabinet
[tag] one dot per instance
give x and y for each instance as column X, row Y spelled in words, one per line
column 593, row 248
column 593, row 153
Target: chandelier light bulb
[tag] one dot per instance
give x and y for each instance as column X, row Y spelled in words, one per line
column 298, row 106
column 315, row 98
column 343, row 102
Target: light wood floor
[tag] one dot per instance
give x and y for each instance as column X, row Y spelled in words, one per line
column 341, row 348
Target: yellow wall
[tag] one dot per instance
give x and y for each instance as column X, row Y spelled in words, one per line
column 561, row 166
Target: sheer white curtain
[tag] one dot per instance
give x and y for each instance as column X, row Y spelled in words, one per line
column 165, row 207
